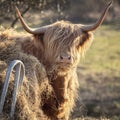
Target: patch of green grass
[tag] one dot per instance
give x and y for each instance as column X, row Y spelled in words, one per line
column 104, row 54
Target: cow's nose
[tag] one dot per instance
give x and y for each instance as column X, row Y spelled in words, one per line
column 65, row 58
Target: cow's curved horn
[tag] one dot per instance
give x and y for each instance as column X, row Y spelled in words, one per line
column 92, row 27
column 39, row 30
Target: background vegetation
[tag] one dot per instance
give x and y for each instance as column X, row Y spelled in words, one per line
column 99, row 71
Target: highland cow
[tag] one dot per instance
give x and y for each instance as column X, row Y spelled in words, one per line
column 59, row 47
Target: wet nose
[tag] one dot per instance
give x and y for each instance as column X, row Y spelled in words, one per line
column 65, row 58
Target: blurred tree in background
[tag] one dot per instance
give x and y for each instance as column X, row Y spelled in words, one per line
column 92, row 9
column 7, row 7
column 72, row 10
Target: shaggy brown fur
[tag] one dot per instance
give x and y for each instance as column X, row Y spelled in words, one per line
column 62, row 38
column 35, row 88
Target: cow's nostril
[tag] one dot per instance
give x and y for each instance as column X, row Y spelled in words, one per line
column 61, row 57
column 65, row 57
column 69, row 58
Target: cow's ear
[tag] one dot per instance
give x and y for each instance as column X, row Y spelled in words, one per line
column 39, row 41
column 85, row 41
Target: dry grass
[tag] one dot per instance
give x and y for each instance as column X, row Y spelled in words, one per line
column 35, row 86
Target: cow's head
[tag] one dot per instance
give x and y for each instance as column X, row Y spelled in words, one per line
column 63, row 43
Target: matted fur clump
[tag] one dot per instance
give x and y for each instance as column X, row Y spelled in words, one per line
column 36, row 88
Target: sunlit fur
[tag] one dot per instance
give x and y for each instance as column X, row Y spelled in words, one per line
column 61, row 38
column 65, row 38
column 35, row 88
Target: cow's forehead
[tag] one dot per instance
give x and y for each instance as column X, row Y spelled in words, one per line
column 66, row 25
column 63, row 33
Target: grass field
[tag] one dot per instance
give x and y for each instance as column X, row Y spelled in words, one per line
column 99, row 77
column 104, row 54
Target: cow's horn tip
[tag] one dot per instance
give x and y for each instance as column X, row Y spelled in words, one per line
column 17, row 10
column 110, row 3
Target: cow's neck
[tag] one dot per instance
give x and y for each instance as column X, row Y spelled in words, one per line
column 60, row 84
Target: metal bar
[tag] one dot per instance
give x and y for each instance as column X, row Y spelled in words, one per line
column 18, row 80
